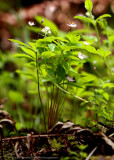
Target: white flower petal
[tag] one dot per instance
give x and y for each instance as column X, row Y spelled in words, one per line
column 94, row 62
column 82, row 56
column 71, row 79
column 31, row 23
column 72, row 25
column 49, row 31
column 112, row 69
column 81, row 15
column 46, row 30
column 86, row 43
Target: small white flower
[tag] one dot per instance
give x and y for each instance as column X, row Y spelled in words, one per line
column 82, row 15
column 112, row 68
column 87, row 14
column 72, row 24
column 94, row 62
column 31, row 23
column 82, row 56
column 71, row 79
column 86, row 43
column 46, row 30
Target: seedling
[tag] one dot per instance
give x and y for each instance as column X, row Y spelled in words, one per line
column 58, row 66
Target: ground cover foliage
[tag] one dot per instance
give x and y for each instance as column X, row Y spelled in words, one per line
column 70, row 76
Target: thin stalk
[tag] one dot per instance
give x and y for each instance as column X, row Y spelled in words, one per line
column 91, row 153
column 107, row 65
column 48, row 101
column 59, row 112
column 38, row 88
column 50, row 115
column 84, row 100
column 20, row 116
column 57, row 104
column 96, row 30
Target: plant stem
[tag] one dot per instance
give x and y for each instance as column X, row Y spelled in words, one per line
column 40, row 95
column 20, row 115
column 107, row 65
column 84, row 100
column 96, row 30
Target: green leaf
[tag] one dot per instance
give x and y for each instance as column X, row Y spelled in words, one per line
column 28, row 75
column 45, row 79
column 33, row 45
column 16, row 96
column 73, row 38
column 85, row 19
column 21, row 55
column 29, row 52
column 18, row 126
column 50, row 72
column 111, row 39
column 60, row 72
column 33, row 92
column 35, row 29
column 47, row 54
column 110, row 85
column 89, row 38
column 52, row 47
column 43, row 42
column 47, row 23
column 106, row 95
column 103, row 53
column 103, row 16
column 19, row 42
column 99, row 100
column 90, row 49
column 88, row 5
column 58, row 39
column 72, row 84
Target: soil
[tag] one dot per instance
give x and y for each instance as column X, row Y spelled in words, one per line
column 63, row 140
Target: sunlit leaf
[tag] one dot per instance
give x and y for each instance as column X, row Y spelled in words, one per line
column 29, row 52
column 110, row 85
column 88, row 5
column 90, row 49
column 103, row 16
column 106, row 95
column 20, row 55
column 18, row 42
column 73, row 38
column 111, row 39
column 47, row 54
column 102, row 52
column 47, row 23
column 33, row 45
column 52, row 47
column 85, row 19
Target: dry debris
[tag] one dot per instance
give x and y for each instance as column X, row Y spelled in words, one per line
column 60, row 140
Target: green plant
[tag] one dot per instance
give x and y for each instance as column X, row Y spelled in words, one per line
column 80, row 155
column 58, row 66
